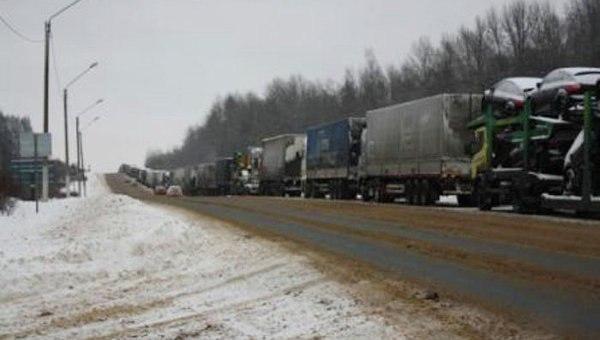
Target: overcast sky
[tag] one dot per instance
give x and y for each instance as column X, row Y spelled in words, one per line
column 163, row 62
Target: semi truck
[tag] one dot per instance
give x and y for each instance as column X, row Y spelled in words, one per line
column 224, row 175
column 246, row 166
column 416, row 150
column 552, row 165
column 206, row 179
column 332, row 156
column 282, row 165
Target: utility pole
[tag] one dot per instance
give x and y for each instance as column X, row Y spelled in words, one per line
column 82, row 165
column 47, row 37
column 46, row 72
column 46, row 128
column 78, row 156
column 65, row 97
column 79, row 153
column 67, row 166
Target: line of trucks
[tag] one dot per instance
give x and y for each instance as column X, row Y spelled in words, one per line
column 491, row 149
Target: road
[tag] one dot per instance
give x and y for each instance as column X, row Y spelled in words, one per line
column 539, row 270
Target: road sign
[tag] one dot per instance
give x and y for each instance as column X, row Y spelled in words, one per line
column 27, row 144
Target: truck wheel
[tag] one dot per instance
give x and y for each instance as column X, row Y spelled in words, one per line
column 429, row 193
column 414, row 192
column 482, row 198
column 464, row 200
column 420, row 193
column 377, row 195
column 520, row 206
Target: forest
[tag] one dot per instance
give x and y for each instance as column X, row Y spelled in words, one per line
column 524, row 38
column 10, row 128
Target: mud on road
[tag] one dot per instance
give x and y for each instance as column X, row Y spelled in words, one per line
column 540, row 271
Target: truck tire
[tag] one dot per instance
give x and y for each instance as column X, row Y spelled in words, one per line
column 408, row 192
column 377, row 195
column 464, row 200
column 426, row 194
column 482, row 198
column 421, row 194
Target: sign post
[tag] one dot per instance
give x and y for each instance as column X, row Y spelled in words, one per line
column 39, row 147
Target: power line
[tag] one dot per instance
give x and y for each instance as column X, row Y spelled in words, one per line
column 16, row 32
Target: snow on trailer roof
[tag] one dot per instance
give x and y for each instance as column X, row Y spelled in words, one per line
column 268, row 139
column 389, row 107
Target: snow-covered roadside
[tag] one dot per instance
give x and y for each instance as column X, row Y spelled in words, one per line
column 112, row 266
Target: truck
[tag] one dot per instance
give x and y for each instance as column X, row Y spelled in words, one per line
column 246, row 166
column 551, row 163
column 205, row 179
column 417, row 150
column 183, row 177
column 282, row 165
column 332, row 158
column 156, row 178
column 224, row 175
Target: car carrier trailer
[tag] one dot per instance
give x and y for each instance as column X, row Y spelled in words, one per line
column 527, row 188
column 589, row 201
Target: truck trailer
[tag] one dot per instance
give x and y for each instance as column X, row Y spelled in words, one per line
column 282, row 165
column 224, row 175
column 206, row 179
column 332, row 157
column 417, row 150
column 246, row 167
column 554, row 166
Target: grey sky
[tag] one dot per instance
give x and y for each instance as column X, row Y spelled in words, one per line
column 162, row 62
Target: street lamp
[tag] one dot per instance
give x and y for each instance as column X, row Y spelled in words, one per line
column 81, row 151
column 65, row 95
column 78, row 135
column 48, row 30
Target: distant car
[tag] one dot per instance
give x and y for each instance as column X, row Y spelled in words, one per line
column 174, row 191
column 160, row 190
column 508, row 95
column 561, row 91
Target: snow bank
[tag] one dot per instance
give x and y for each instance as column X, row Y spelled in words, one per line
column 109, row 265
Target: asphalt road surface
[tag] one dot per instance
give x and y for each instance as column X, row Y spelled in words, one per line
column 539, row 269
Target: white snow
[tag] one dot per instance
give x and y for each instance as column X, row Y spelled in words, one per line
column 112, row 266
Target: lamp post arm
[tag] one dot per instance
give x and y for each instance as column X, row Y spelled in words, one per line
column 60, row 11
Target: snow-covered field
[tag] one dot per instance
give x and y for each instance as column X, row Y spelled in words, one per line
column 110, row 266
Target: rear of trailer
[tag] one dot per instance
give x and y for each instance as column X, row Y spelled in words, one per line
column 282, row 165
column 206, row 179
column 332, row 155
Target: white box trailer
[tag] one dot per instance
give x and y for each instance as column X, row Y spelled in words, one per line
column 283, row 165
column 417, row 149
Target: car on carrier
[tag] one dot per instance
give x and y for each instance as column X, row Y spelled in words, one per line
column 508, row 96
column 561, row 92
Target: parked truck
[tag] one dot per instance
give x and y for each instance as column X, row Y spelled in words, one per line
column 246, row 166
column 416, row 150
column 206, row 179
column 282, row 165
column 552, row 166
column 332, row 156
column 224, row 175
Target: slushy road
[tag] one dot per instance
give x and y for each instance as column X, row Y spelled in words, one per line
column 544, row 270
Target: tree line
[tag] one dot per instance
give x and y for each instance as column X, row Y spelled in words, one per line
column 10, row 128
column 524, row 38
